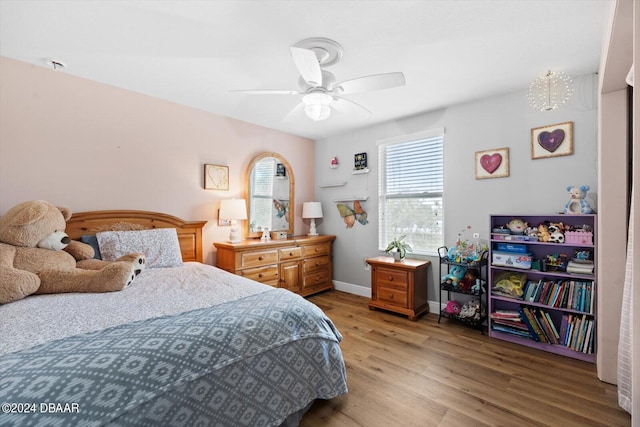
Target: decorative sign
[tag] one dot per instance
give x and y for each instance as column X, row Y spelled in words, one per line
column 492, row 163
column 281, row 170
column 360, row 161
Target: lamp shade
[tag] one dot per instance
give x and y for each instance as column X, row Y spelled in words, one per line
column 233, row 209
column 312, row 210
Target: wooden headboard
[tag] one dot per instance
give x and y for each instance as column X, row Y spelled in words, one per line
column 189, row 232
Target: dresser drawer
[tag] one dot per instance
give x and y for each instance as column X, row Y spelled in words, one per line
column 317, row 249
column 317, row 278
column 315, row 263
column 261, row 274
column 255, row 259
column 393, row 278
column 392, row 296
column 290, row 253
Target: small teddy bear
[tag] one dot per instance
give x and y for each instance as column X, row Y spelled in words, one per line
column 450, row 281
column 543, row 233
column 577, row 203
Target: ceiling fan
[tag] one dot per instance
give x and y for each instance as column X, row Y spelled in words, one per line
column 318, row 87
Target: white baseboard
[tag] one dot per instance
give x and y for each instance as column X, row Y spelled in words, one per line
column 350, row 288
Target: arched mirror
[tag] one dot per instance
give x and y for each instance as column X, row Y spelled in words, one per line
column 270, row 195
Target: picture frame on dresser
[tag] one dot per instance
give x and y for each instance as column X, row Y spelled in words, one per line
column 542, row 293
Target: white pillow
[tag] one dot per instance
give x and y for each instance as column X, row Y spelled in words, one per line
column 160, row 246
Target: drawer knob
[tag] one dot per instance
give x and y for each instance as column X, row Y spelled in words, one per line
column 260, row 275
column 391, row 278
column 260, row 258
column 390, row 296
column 290, row 253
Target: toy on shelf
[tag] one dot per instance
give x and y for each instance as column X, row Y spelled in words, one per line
column 451, row 280
column 577, row 203
column 517, row 226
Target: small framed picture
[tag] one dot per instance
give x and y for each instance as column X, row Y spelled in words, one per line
column 216, row 177
column 281, row 170
column 552, row 141
column 492, row 163
column 223, row 222
column 360, row 161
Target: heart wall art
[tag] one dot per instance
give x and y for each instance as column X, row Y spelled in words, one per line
column 492, row 163
column 552, row 141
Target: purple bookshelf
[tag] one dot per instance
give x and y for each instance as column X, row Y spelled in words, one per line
column 562, row 303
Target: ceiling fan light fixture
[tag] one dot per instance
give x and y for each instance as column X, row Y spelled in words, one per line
column 317, row 105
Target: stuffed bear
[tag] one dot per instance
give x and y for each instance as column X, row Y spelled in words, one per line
column 577, row 203
column 543, row 233
column 456, row 273
column 556, row 231
column 469, row 279
column 37, row 256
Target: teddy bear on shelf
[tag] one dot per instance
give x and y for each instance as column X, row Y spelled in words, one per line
column 556, row 231
column 468, row 280
column 450, row 281
column 577, row 203
column 37, row 256
column 543, row 232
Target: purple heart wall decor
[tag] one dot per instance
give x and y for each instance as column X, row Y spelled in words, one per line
column 491, row 162
column 550, row 141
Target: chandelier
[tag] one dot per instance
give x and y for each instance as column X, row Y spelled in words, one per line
column 549, row 91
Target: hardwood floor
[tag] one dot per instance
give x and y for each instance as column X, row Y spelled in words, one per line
column 404, row 373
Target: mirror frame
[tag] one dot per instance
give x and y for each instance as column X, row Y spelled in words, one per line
column 292, row 188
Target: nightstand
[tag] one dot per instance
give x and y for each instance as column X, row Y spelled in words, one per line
column 399, row 286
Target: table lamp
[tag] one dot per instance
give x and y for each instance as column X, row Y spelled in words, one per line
column 312, row 210
column 233, row 210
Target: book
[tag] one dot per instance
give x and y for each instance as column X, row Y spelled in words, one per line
column 532, row 332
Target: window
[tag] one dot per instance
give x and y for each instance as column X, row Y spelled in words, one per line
column 410, row 190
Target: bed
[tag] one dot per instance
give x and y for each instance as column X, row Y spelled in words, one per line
column 188, row 344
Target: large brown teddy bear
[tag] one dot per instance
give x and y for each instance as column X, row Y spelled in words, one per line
column 37, row 256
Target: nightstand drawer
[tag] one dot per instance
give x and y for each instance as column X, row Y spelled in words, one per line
column 392, row 296
column 261, row 274
column 290, row 253
column 315, row 263
column 255, row 259
column 318, row 249
column 395, row 278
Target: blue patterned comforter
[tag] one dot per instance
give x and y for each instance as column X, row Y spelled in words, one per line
column 249, row 362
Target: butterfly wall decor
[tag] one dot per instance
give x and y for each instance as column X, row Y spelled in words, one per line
column 282, row 207
column 351, row 215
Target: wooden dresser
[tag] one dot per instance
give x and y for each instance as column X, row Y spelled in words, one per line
column 400, row 287
column 301, row 264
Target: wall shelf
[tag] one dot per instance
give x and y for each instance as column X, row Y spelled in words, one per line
column 332, row 184
column 352, row 199
column 360, row 171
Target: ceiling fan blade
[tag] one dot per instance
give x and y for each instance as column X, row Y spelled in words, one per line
column 307, row 64
column 371, row 83
column 295, row 111
column 340, row 99
column 267, row 92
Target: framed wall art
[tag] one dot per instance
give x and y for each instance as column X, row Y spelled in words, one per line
column 552, row 141
column 216, row 177
column 492, row 163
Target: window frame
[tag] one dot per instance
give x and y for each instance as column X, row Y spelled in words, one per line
column 383, row 196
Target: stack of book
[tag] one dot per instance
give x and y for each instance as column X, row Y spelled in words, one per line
column 572, row 294
column 575, row 332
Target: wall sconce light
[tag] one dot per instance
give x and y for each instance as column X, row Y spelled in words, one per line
column 312, row 210
column 233, row 210
column 550, row 90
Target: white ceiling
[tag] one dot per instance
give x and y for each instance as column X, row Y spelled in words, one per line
column 195, row 52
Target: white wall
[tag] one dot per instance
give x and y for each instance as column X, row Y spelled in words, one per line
column 533, row 187
column 90, row 146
